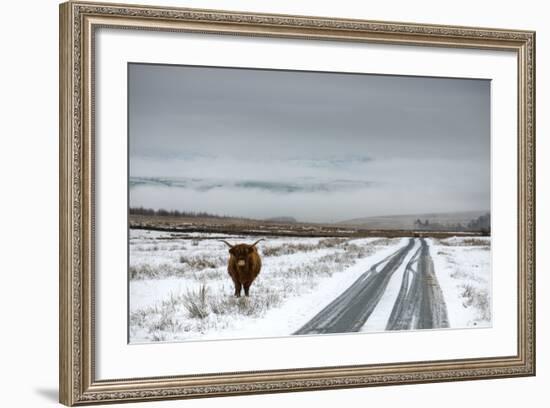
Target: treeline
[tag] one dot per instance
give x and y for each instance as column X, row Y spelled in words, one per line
column 173, row 213
column 480, row 224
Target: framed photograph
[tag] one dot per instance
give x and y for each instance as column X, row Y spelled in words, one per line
column 255, row 203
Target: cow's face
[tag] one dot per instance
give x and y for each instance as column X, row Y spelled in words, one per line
column 241, row 253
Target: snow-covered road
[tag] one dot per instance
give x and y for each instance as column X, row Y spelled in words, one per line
column 418, row 305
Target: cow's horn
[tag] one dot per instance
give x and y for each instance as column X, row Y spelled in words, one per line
column 254, row 244
column 227, row 243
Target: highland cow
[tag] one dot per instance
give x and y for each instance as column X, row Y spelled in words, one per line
column 243, row 266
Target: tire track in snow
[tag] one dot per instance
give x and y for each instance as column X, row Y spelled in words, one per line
column 379, row 317
column 349, row 311
column 420, row 303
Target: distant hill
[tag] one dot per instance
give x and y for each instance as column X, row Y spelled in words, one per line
column 409, row 221
column 282, row 220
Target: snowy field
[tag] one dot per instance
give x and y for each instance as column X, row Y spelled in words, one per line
column 463, row 268
column 180, row 288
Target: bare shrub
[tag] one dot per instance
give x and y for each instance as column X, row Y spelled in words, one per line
column 196, row 303
column 146, row 246
column 202, row 262
column 166, row 323
column 158, row 336
column 331, row 242
column 199, row 267
column 288, row 249
column 477, row 242
column 138, row 318
column 220, row 305
column 256, row 305
column 477, row 298
column 382, row 241
column 211, row 274
column 159, row 320
column 141, row 272
column 146, row 271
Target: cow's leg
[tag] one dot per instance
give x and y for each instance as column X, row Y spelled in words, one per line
column 238, row 288
column 247, row 288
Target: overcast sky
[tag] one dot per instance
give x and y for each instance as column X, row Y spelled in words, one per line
column 316, row 146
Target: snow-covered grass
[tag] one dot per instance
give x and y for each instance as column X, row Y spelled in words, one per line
column 180, row 289
column 463, row 268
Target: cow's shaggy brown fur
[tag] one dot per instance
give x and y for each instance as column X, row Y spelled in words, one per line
column 243, row 266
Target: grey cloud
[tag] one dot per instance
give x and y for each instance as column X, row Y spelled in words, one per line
column 415, row 142
column 301, row 185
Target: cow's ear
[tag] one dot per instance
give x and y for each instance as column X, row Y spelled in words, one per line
column 232, row 251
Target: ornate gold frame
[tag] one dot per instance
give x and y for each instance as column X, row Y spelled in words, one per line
column 78, row 21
